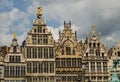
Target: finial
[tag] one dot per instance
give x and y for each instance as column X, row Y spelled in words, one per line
column 93, row 27
column 14, row 35
column 38, row 12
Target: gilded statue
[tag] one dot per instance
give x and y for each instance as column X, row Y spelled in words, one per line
column 38, row 12
column 14, row 35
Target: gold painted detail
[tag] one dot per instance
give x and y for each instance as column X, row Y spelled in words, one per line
column 39, row 10
column 14, row 35
column 93, row 27
column 67, row 33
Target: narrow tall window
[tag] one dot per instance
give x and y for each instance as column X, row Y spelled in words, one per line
column 34, row 50
column 68, row 51
column 39, row 52
column 39, row 39
column 14, row 49
column 34, row 39
column 39, row 29
column 45, row 52
column 51, row 53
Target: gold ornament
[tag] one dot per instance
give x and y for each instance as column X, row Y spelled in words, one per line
column 38, row 12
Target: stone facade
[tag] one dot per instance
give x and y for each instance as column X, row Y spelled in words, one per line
column 68, row 56
column 41, row 59
column 96, row 57
column 14, row 64
column 38, row 49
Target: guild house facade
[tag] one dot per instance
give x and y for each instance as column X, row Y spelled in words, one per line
column 42, row 59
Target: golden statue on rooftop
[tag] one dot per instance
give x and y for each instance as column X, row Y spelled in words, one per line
column 38, row 12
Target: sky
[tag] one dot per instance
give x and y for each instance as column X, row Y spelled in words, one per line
column 17, row 16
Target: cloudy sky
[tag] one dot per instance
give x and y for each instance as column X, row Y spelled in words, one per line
column 17, row 16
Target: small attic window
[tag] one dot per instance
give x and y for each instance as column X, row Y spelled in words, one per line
column 43, row 30
column 14, row 49
column 35, row 30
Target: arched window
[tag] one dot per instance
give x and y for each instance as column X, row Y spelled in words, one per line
column 68, row 51
column 14, row 49
column 97, row 52
column 62, row 52
column 91, row 51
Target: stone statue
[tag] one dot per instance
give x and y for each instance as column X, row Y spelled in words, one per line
column 115, row 63
column 38, row 12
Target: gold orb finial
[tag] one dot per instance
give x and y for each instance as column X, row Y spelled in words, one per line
column 39, row 10
column 93, row 27
column 14, row 35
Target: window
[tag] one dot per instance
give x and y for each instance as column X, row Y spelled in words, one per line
column 45, row 39
column 39, row 39
column 79, row 62
column 35, row 30
column 86, row 54
column 22, row 70
column 102, row 54
column 90, row 45
column 68, row 62
column 40, row 67
column 51, row 67
column 18, row 59
column 63, row 62
column 43, row 30
column 34, row 50
column 34, row 67
column 11, row 58
column 45, row 67
column 98, row 44
column 94, row 45
column 74, row 62
column 57, row 62
column 6, row 71
column 39, row 29
column 92, row 52
column 34, row 39
column 28, row 52
column 14, row 59
column 68, row 51
column 105, row 67
column 92, row 66
column 40, row 52
column 97, row 52
column 51, row 52
column 118, row 54
column 99, row 66
column 45, row 52
column 14, row 49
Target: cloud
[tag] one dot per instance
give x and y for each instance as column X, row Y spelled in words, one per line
column 6, row 4
column 83, row 14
